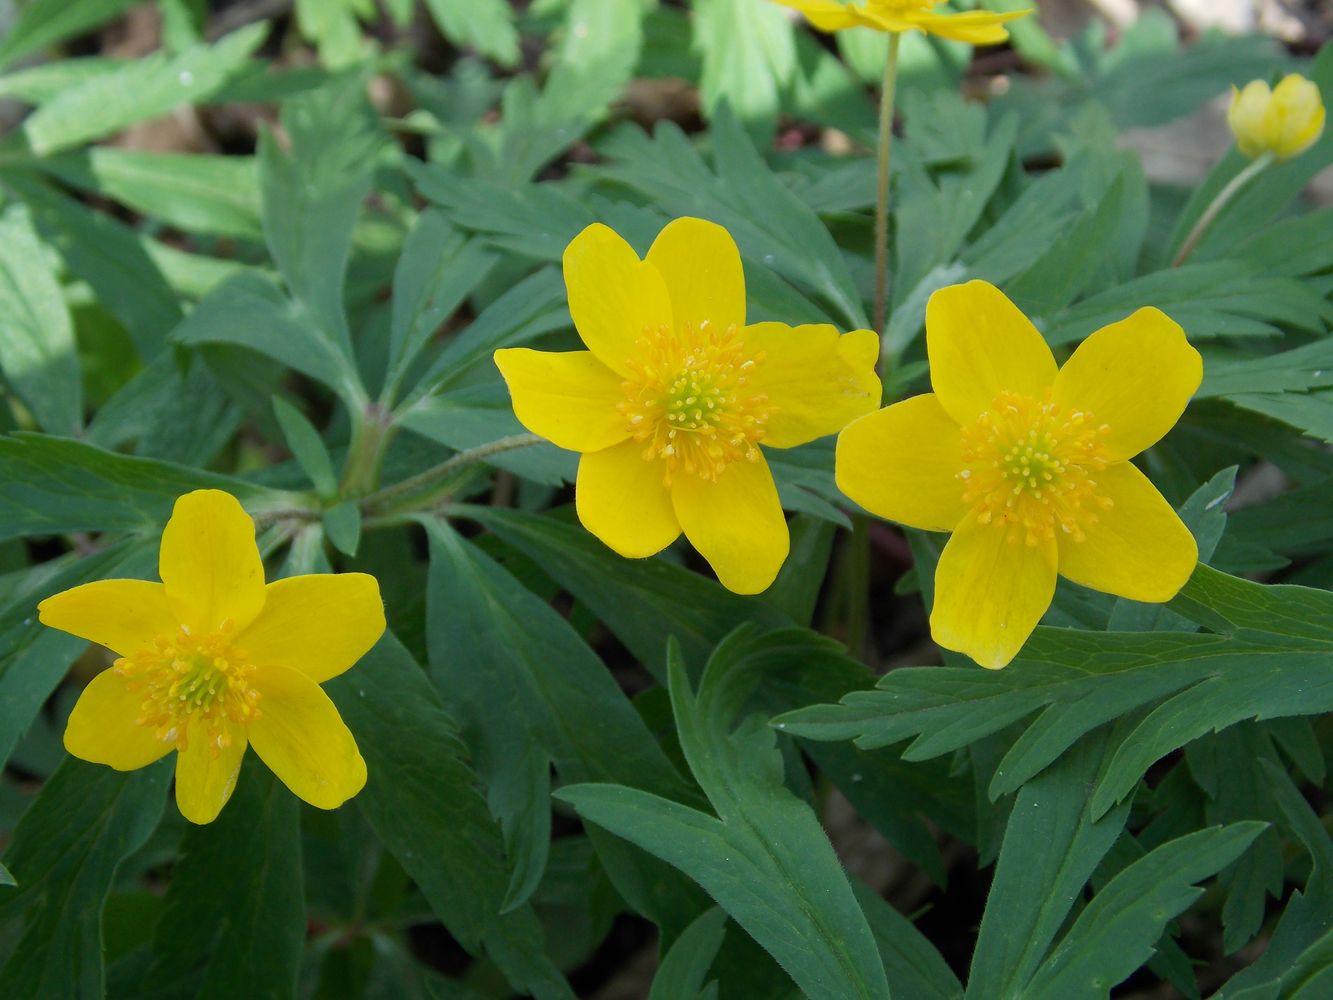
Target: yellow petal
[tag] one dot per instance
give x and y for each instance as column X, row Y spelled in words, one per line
column 1298, row 114
column 973, row 27
column 1246, row 117
column 570, row 399
column 613, row 296
column 621, row 498
column 1139, row 548
column 990, row 592
column 826, row 15
column 204, row 782
column 123, row 615
column 980, row 345
column 736, row 524
column 101, row 728
column 818, row 380
column 902, row 463
column 302, row 738
column 318, row 625
column 1135, row 376
column 701, row 266
column 210, row 563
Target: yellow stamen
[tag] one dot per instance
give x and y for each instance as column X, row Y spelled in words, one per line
column 1031, row 468
column 688, row 400
column 188, row 679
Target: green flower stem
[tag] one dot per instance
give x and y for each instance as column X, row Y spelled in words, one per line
column 882, row 199
column 370, row 437
column 1224, row 196
column 418, row 487
column 856, row 567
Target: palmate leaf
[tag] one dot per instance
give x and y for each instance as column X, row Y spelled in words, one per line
column 542, row 698
column 54, row 486
column 1050, row 850
column 234, row 921
column 64, row 856
column 1116, row 932
column 423, row 801
column 37, row 350
column 749, row 56
column 1271, row 657
column 684, row 966
column 137, row 90
column 764, row 858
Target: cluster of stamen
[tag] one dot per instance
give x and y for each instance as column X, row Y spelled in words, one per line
column 186, row 679
column 689, row 401
column 1031, row 468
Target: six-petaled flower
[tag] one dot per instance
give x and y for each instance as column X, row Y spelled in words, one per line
column 211, row 660
column 670, row 404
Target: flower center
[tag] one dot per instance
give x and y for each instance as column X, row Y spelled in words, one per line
column 1031, row 468
column 688, row 400
column 187, row 679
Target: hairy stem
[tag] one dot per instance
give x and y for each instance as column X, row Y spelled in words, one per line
column 1220, row 202
column 882, row 195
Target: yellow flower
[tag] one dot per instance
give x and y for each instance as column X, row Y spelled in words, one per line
column 1029, row 466
column 976, row 27
column 675, row 393
column 1283, row 122
column 211, row 659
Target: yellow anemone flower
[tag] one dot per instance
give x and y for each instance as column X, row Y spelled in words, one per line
column 976, row 27
column 1029, row 466
column 1283, row 122
column 675, row 394
column 211, row 659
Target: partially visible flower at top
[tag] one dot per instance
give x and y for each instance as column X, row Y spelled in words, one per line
column 1029, row 466
column 976, row 27
column 675, row 394
column 1282, row 122
column 211, row 659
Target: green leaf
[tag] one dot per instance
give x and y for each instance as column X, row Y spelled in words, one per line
column 536, row 305
column 749, row 56
column 148, row 87
column 64, row 855
column 1276, row 663
column 598, row 50
column 250, row 310
column 765, row 858
column 669, row 601
column 1051, row 847
column 680, row 976
column 438, row 269
column 6, row 879
column 422, row 800
column 307, row 446
column 771, row 225
column 486, row 25
column 55, row 486
column 37, row 350
column 210, row 195
column 342, row 524
column 110, row 256
column 233, row 922
column 44, row 23
column 1116, row 932
column 912, row 964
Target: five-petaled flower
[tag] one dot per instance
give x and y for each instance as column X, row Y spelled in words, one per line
column 675, row 394
column 976, row 27
column 211, row 659
column 1029, row 466
column 1282, row 122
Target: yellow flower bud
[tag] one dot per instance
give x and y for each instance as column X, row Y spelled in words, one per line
column 1283, row 122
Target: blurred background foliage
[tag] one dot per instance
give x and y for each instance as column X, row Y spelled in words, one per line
column 269, row 246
